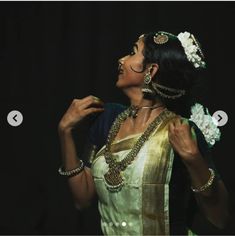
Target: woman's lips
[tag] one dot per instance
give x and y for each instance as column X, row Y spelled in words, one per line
column 120, row 70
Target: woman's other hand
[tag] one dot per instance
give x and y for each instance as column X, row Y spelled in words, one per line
column 78, row 110
column 183, row 139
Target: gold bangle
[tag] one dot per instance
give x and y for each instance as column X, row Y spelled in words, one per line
column 207, row 185
column 73, row 172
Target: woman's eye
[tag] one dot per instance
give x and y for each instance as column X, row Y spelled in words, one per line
column 132, row 53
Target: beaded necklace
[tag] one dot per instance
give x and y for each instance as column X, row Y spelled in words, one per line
column 113, row 179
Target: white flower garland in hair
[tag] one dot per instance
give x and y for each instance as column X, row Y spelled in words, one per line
column 191, row 48
column 206, row 123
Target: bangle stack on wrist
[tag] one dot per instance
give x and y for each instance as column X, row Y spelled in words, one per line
column 73, row 172
column 207, row 185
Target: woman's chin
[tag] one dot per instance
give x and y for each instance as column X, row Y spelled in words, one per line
column 119, row 83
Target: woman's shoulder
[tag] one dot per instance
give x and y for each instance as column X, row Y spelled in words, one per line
column 114, row 107
column 111, row 110
column 103, row 121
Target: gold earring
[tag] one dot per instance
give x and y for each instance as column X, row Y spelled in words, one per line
column 146, row 86
column 147, row 78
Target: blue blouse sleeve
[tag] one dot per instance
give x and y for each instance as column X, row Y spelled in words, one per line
column 99, row 129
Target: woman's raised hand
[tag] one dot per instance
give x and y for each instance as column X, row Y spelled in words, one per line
column 78, row 110
column 183, row 139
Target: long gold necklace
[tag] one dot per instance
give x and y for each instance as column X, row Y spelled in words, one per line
column 114, row 180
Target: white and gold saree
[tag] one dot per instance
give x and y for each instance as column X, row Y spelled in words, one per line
column 142, row 205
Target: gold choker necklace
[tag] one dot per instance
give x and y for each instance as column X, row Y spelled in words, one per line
column 135, row 109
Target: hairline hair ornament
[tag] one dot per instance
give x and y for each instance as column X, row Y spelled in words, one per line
column 188, row 42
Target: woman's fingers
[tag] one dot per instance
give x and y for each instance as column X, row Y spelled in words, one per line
column 91, row 104
column 182, row 138
column 90, row 107
column 79, row 109
column 179, row 129
column 193, row 133
column 90, row 98
column 171, row 127
column 91, row 101
column 184, row 121
column 171, row 131
column 92, row 110
column 177, row 121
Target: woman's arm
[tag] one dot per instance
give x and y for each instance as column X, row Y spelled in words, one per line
column 213, row 200
column 82, row 184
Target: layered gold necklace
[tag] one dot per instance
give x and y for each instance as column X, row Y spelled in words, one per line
column 113, row 179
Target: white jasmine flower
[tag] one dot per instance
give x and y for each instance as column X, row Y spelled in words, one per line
column 190, row 49
column 206, row 123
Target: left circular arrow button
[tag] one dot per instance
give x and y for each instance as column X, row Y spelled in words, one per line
column 15, row 118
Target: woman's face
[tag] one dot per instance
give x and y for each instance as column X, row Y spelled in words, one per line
column 130, row 72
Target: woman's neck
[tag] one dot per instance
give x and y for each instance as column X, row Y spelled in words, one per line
column 144, row 115
column 137, row 100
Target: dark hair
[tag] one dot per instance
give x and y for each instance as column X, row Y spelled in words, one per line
column 175, row 71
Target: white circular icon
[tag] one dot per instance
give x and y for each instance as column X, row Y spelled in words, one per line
column 14, row 118
column 123, row 223
column 221, row 117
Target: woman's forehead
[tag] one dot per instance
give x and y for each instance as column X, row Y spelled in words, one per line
column 140, row 43
column 141, row 36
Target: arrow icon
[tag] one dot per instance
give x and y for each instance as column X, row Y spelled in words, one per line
column 14, row 118
column 221, row 117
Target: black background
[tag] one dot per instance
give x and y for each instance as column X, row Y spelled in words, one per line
column 52, row 52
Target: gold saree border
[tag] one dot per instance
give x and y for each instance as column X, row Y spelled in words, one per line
column 155, row 184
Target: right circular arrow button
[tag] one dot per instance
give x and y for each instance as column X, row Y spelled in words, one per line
column 221, row 117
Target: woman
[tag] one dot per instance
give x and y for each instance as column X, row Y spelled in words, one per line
column 148, row 163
